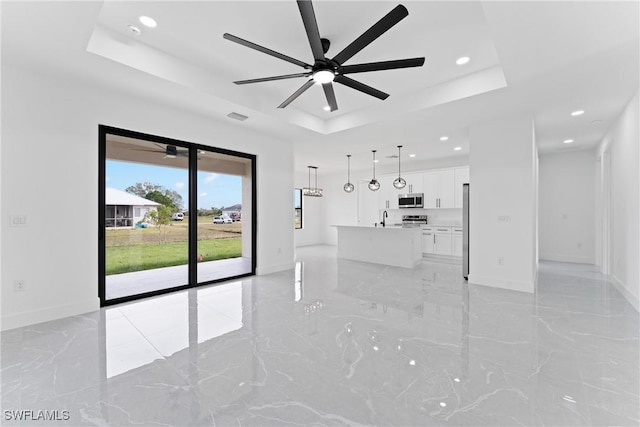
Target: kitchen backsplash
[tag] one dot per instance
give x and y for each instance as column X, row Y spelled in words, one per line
column 435, row 216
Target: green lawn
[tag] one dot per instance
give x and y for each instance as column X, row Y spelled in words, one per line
column 125, row 259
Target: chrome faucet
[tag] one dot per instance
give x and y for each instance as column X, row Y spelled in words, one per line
column 384, row 215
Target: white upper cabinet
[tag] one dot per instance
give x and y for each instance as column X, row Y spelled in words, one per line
column 387, row 194
column 442, row 188
column 439, row 191
column 415, row 183
column 431, row 183
column 461, row 177
column 446, row 189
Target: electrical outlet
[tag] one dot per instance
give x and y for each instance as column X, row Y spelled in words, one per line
column 504, row 218
column 19, row 286
column 500, row 261
column 18, row 220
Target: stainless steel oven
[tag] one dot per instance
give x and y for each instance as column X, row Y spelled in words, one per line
column 414, row 200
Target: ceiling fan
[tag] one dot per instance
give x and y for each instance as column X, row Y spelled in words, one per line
column 170, row 151
column 324, row 70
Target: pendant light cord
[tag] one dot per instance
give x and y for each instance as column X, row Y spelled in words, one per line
column 374, row 164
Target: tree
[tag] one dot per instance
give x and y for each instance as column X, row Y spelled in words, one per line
column 161, row 218
column 175, row 197
column 158, row 197
column 141, row 189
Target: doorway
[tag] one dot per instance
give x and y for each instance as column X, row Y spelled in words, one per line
column 172, row 215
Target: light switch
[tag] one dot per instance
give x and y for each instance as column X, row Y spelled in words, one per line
column 18, row 220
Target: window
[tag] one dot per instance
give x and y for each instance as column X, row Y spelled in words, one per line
column 297, row 208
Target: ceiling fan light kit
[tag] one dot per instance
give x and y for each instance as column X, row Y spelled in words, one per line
column 325, row 71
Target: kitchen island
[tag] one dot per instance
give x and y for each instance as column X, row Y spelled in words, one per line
column 396, row 246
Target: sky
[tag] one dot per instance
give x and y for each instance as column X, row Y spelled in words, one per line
column 214, row 190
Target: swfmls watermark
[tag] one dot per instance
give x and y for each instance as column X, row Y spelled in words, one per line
column 36, row 415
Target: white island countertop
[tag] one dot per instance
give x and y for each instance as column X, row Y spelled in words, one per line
column 393, row 245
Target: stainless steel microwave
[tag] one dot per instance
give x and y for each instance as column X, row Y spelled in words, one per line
column 414, row 200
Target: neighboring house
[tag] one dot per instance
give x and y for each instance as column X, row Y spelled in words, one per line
column 124, row 209
column 234, row 212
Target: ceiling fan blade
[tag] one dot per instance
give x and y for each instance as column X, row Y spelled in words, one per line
column 147, row 150
column 331, row 96
column 311, row 26
column 382, row 65
column 296, row 94
column 379, row 28
column 361, row 87
column 268, row 79
column 265, row 50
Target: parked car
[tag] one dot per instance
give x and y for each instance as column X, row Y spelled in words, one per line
column 178, row 216
column 222, row 220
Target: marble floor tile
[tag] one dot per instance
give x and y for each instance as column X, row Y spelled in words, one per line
column 336, row 342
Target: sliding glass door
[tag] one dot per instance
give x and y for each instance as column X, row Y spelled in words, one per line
column 172, row 215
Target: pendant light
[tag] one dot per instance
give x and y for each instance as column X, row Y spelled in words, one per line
column 374, row 184
column 348, row 187
column 312, row 191
column 399, row 182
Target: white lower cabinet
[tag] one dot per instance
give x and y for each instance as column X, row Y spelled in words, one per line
column 438, row 241
column 428, row 240
column 456, row 242
column 443, row 241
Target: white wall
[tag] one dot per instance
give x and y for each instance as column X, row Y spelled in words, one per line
column 502, row 163
column 621, row 141
column 50, row 162
column 567, row 206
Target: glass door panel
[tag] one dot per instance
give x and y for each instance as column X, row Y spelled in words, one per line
column 146, row 235
column 224, row 230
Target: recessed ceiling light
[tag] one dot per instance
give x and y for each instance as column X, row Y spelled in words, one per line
column 326, row 108
column 458, row 148
column 148, row 22
column 462, row 60
column 412, row 155
column 237, row 116
column 568, row 141
column 444, row 138
column 135, row 30
column 376, row 161
column 577, row 113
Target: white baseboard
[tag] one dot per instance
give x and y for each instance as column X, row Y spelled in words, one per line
column 527, row 286
column 50, row 313
column 567, row 258
column 268, row 269
column 633, row 300
column 446, row 259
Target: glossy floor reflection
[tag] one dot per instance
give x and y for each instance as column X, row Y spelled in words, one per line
column 340, row 343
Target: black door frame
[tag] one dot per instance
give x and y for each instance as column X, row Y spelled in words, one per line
column 193, row 148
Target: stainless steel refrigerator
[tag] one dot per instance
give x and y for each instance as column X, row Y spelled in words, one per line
column 465, row 231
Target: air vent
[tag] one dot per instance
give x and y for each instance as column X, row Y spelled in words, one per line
column 393, row 156
column 238, row 116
